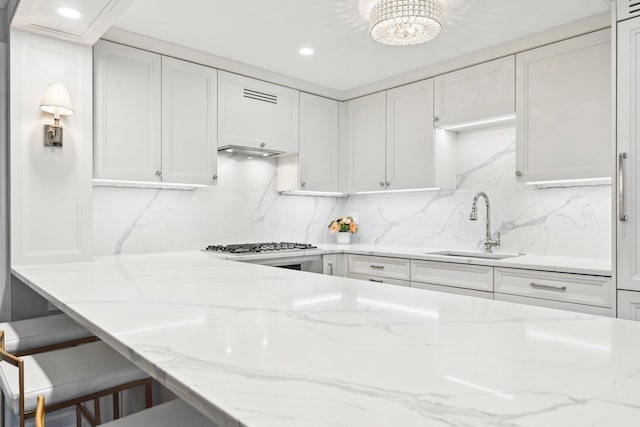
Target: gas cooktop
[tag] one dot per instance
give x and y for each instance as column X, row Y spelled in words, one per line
column 257, row 248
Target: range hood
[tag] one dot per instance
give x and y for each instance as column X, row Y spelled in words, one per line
column 250, row 151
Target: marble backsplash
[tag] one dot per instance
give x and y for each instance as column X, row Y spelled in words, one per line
column 245, row 206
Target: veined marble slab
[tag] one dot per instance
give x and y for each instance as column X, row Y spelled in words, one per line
column 256, row 346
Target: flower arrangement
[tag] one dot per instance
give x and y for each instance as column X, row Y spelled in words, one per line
column 343, row 224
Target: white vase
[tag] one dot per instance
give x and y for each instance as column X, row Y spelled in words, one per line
column 343, row 238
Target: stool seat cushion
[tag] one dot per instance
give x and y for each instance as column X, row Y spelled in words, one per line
column 65, row 374
column 41, row 331
column 170, row 414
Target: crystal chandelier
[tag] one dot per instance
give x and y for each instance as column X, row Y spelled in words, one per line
column 405, row 22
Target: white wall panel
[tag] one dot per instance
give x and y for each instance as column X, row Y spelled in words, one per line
column 50, row 187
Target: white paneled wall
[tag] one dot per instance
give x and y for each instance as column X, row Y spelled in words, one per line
column 51, row 193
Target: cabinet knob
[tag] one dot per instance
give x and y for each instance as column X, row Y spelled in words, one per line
column 381, row 183
column 158, row 173
column 518, row 173
column 436, row 118
column 214, row 177
column 387, row 183
column 303, row 184
column 262, row 144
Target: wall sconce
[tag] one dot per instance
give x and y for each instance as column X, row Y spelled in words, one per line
column 56, row 101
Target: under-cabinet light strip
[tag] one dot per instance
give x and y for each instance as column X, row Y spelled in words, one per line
column 410, row 190
column 476, row 123
column 582, row 182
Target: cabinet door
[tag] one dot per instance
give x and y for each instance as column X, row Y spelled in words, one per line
column 330, row 265
column 253, row 113
column 366, row 119
column 629, row 305
column 127, row 113
column 189, row 119
column 319, row 144
column 563, row 104
column 410, row 152
column 476, row 93
column 628, row 228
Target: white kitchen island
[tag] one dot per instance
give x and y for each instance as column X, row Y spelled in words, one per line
column 258, row 346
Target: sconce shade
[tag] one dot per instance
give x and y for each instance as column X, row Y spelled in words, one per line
column 57, row 101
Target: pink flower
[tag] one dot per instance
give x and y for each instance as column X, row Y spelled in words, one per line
column 333, row 228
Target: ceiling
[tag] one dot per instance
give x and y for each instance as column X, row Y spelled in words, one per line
column 268, row 34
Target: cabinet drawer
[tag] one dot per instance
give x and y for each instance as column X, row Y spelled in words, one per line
column 374, row 279
column 452, row 290
column 573, row 288
column 391, row 268
column 579, row 308
column 478, row 277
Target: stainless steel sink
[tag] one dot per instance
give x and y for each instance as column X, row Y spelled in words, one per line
column 472, row 254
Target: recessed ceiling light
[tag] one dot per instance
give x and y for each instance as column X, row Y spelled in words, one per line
column 69, row 12
column 306, row 51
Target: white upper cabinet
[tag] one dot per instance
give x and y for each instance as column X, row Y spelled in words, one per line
column 563, row 104
column 476, row 93
column 155, row 117
column 628, row 220
column 626, row 9
column 391, row 142
column 366, row 135
column 189, row 118
column 253, row 113
column 319, row 144
column 127, row 113
column 410, row 137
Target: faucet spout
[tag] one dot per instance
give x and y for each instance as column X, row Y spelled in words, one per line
column 489, row 242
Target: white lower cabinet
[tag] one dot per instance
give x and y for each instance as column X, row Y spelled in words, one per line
column 452, row 290
column 330, row 265
column 375, row 279
column 389, row 268
column 465, row 276
column 580, row 308
column 629, row 305
column 596, row 291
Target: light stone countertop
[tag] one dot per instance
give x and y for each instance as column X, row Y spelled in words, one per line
column 256, row 346
column 560, row 264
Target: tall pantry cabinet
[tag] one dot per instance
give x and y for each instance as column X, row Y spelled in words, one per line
column 628, row 160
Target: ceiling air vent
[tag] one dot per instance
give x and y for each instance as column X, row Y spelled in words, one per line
column 263, row 96
column 628, row 9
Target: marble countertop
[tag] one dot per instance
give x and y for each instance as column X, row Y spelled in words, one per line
column 561, row 264
column 256, row 346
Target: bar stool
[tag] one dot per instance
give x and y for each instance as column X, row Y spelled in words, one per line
column 67, row 377
column 170, row 414
column 29, row 336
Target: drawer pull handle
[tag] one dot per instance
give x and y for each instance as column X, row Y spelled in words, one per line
column 376, row 280
column 561, row 288
column 377, row 267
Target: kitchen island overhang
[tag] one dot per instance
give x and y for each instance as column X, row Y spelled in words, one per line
column 258, row 346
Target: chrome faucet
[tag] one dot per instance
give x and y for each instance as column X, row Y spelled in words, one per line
column 489, row 243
